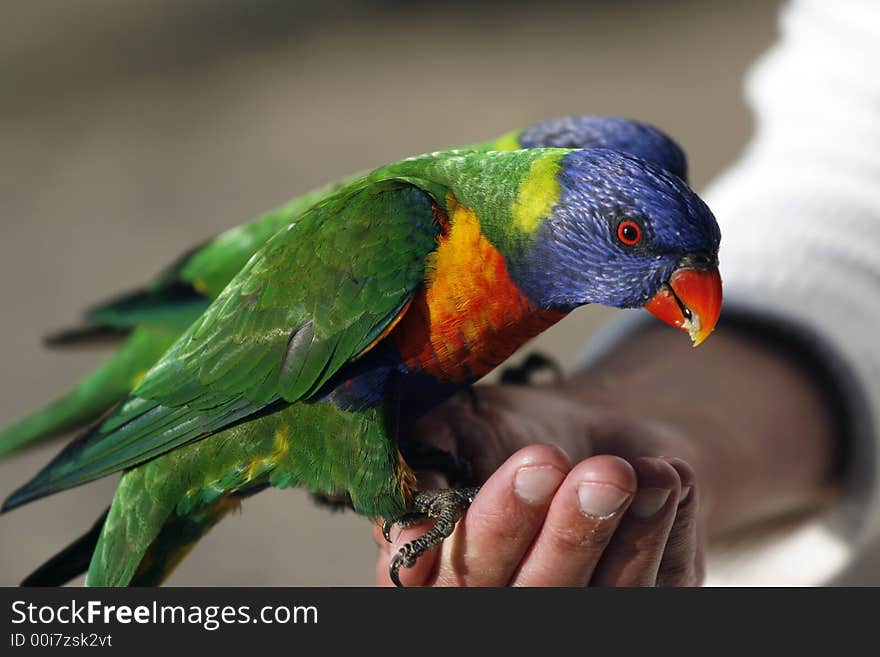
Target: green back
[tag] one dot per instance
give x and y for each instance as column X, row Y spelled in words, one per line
column 310, row 301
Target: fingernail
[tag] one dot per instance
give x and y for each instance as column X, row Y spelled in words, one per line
column 599, row 500
column 648, row 501
column 685, row 492
column 536, row 483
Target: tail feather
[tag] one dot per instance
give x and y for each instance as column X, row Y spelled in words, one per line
column 71, row 562
column 173, row 306
column 93, row 395
column 178, row 536
column 83, row 336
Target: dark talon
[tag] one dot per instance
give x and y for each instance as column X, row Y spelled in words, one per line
column 404, row 521
column 446, row 507
column 386, row 529
column 400, row 559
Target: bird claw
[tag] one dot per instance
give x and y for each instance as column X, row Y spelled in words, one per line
column 404, row 521
column 386, row 529
column 445, row 506
column 401, row 560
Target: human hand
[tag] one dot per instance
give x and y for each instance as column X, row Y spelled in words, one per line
column 625, row 514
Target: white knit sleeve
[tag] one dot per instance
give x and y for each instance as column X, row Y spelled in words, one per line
column 800, row 225
column 800, row 221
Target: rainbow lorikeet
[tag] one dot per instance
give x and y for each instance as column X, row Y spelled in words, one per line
column 149, row 320
column 392, row 293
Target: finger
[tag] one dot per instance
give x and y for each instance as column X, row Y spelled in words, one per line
column 504, row 519
column 682, row 560
column 582, row 518
column 633, row 556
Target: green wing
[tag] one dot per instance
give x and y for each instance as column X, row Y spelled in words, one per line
column 181, row 292
column 316, row 296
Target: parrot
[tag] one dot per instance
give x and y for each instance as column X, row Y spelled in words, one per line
column 392, row 293
column 150, row 319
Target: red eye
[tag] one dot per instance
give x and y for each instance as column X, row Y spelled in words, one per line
column 629, row 232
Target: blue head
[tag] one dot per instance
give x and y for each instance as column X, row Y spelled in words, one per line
column 625, row 233
column 619, row 134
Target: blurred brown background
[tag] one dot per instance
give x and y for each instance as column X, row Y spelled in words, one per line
column 130, row 131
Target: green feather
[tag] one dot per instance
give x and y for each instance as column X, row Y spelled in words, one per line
column 248, row 351
column 162, row 507
column 90, row 397
column 230, row 406
column 169, row 304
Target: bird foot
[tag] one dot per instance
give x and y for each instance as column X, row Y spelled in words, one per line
column 445, row 507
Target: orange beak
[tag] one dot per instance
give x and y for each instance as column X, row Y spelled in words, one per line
column 690, row 301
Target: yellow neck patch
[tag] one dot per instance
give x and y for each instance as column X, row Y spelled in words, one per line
column 508, row 142
column 538, row 192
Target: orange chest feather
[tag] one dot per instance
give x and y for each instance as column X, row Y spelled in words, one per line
column 469, row 316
